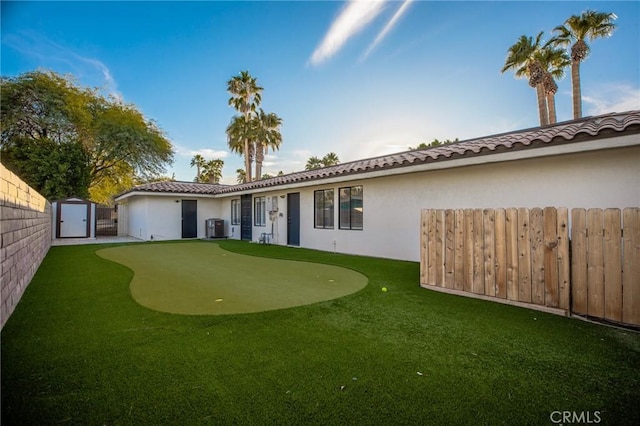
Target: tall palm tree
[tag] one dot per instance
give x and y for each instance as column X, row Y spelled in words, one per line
column 575, row 32
column 246, row 96
column 553, row 62
column 199, row 162
column 521, row 57
column 240, row 137
column 267, row 126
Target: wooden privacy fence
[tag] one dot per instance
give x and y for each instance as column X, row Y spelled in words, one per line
column 526, row 256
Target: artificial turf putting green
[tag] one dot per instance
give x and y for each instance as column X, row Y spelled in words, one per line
column 204, row 279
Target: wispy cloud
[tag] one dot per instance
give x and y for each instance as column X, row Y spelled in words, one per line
column 208, row 154
column 52, row 55
column 612, row 98
column 392, row 23
column 356, row 15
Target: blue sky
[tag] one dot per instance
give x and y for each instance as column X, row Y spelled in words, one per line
column 360, row 80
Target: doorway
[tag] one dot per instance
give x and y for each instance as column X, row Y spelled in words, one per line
column 293, row 219
column 246, row 227
column 189, row 218
column 73, row 219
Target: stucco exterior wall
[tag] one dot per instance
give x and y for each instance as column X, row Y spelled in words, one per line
column 25, row 226
column 159, row 217
column 392, row 204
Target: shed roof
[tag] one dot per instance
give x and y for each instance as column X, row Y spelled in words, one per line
column 561, row 133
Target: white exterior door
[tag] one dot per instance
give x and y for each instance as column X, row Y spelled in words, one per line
column 73, row 220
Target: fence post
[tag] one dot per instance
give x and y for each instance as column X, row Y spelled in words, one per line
column 631, row 274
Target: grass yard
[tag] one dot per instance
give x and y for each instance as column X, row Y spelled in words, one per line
column 200, row 278
column 79, row 350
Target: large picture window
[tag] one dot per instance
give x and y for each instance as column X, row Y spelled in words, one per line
column 323, row 208
column 351, row 207
column 235, row 212
column 259, row 211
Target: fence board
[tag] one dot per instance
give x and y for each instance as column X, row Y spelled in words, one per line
column 449, row 264
column 478, row 249
column 440, row 248
column 536, row 229
column 488, row 223
column 595, row 264
column 501, row 253
column 550, row 217
column 424, row 214
column 468, row 250
column 564, row 267
column 579, row 261
column 524, row 257
column 612, row 265
column 431, row 261
column 631, row 272
column 512, row 253
column 459, row 254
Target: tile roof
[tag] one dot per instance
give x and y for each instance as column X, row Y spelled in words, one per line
column 176, row 187
column 553, row 134
column 566, row 132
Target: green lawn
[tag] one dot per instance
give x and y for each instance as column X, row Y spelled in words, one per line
column 200, row 278
column 79, row 350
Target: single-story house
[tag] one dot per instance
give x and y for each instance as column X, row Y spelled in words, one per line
column 372, row 206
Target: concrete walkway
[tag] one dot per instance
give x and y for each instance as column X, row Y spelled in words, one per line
column 99, row 240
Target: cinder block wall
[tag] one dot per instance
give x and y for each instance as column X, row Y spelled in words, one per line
column 25, row 229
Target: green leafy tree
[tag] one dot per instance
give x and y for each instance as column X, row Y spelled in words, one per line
column 65, row 140
column 56, row 170
column 245, row 98
column 575, row 32
column 121, row 178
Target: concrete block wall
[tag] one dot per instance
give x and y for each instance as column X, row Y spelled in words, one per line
column 25, row 233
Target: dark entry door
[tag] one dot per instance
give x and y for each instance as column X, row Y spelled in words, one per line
column 246, row 230
column 293, row 219
column 189, row 218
